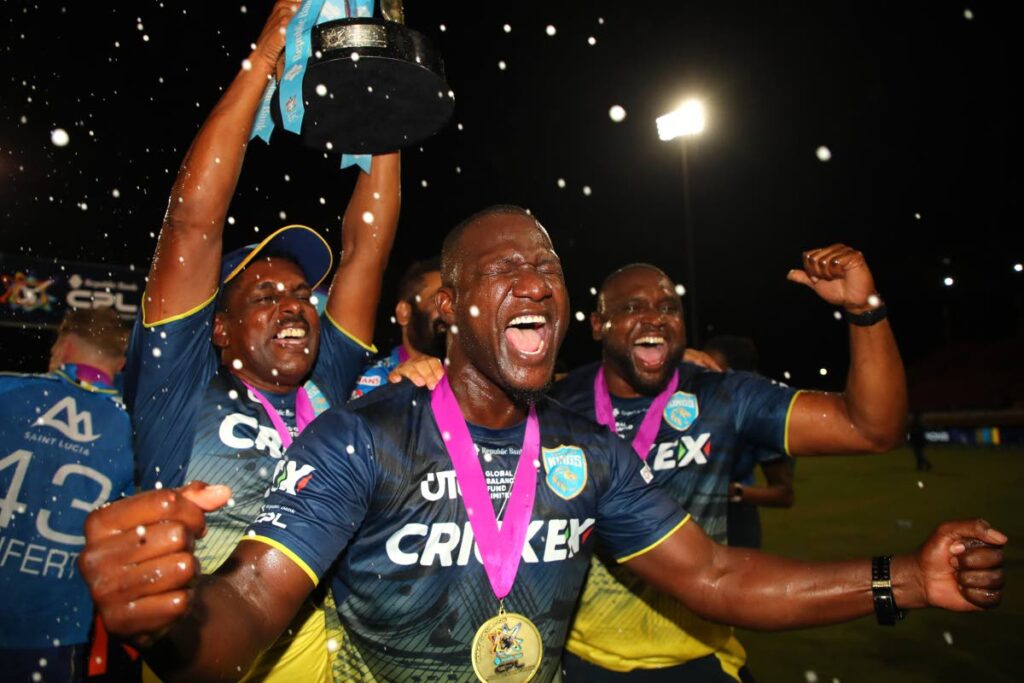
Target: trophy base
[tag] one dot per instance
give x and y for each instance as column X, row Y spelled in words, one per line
column 371, row 87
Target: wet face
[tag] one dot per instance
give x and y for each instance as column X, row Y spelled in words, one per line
column 424, row 328
column 269, row 325
column 640, row 327
column 508, row 308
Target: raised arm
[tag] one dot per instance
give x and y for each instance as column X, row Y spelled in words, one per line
column 186, row 265
column 139, row 566
column 955, row 569
column 367, row 234
column 870, row 415
column 777, row 491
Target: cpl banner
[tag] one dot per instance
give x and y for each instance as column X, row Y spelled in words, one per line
column 36, row 292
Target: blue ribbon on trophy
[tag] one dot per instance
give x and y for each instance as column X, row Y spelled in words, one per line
column 297, row 51
column 389, row 80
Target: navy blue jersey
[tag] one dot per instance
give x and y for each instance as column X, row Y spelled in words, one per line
column 622, row 622
column 374, row 486
column 710, row 420
column 193, row 419
column 66, row 450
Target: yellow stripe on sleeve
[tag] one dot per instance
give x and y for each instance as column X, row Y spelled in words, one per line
column 789, row 413
column 371, row 348
column 276, row 545
column 180, row 316
column 654, row 545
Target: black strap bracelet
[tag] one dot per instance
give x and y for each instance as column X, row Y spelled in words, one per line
column 886, row 610
column 867, row 318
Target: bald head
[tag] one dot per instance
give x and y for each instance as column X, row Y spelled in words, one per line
column 615, row 276
column 451, row 249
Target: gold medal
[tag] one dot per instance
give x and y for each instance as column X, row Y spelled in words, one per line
column 507, row 648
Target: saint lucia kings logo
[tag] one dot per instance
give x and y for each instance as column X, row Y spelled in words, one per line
column 291, row 477
column 681, row 411
column 65, row 418
column 567, row 470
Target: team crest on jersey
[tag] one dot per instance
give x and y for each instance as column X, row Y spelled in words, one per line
column 566, row 468
column 682, row 410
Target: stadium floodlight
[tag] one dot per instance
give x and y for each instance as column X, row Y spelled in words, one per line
column 687, row 119
column 685, row 122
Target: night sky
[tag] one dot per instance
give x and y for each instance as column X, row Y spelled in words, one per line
column 912, row 99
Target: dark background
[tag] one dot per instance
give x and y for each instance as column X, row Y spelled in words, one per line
column 914, row 100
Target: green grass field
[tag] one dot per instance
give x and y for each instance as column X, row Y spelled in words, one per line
column 857, row 507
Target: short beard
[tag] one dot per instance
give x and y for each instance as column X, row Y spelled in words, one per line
column 426, row 336
column 645, row 386
column 524, row 398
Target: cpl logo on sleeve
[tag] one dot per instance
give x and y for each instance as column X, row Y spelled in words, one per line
column 566, row 468
column 681, row 411
column 291, row 477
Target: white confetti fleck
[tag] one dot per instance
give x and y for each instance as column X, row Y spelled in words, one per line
column 140, row 531
column 42, row 662
column 1018, row 267
column 159, row 485
column 116, row 193
column 968, row 14
column 580, row 316
column 948, row 281
column 59, row 137
column 367, row 217
column 616, row 113
column 507, row 28
column 823, row 153
column 948, row 637
column 332, row 645
column 593, row 291
column 236, row 364
column 837, row 315
column 561, row 182
column 786, row 374
column 823, row 371
column 587, row 191
column 350, row 449
column 355, row 56
column 917, row 216
column 920, row 484
column 321, row 89
column 874, row 301
column 156, row 352
column 423, row 183
column 591, row 41
column 550, row 30
column 502, row 66
column 474, row 311
column 680, row 290
column 246, row 65
column 232, row 394
column 231, row 502
column 810, row 676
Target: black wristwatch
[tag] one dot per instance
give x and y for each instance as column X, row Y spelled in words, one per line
column 886, row 610
column 867, row 318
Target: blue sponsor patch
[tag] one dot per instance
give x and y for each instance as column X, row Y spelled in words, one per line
column 681, row 411
column 566, row 468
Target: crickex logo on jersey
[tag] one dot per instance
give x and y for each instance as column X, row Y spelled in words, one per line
column 66, row 419
column 291, row 477
column 686, row 450
column 447, row 543
column 267, row 438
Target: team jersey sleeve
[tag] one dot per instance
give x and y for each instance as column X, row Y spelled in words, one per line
column 169, row 364
column 762, row 410
column 340, row 361
column 373, row 377
column 634, row 514
column 319, row 495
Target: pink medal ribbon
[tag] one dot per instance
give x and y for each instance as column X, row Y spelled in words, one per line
column 647, row 432
column 500, row 548
column 304, row 413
